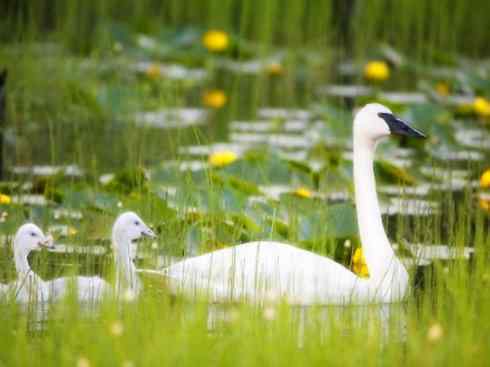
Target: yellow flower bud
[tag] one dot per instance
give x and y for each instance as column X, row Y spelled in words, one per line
column 484, row 204
column 5, row 199
column 376, row 71
column 435, row 333
column 303, row 192
column 442, row 88
column 485, row 179
column 222, row 159
column 359, row 265
column 215, row 40
column 481, row 107
column 214, row 98
column 275, row 69
column 153, row 71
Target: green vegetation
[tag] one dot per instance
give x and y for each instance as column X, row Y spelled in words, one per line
column 115, row 106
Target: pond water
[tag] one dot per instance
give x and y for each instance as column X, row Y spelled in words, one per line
column 236, row 170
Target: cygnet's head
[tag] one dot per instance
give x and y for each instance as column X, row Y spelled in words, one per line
column 30, row 237
column 375, row 121
column 130, row 228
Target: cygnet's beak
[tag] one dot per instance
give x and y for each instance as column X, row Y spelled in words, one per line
column 47, row 242
column 147, row 232
column 400, row 127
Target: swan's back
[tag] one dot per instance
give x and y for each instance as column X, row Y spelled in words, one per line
column 261, row 270
column 87, row 288
column 26, row 290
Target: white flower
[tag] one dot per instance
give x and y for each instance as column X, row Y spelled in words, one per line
column 117, row 328
column 83, row 362
column 270, row 313
column 435, row 332
column 129, row 295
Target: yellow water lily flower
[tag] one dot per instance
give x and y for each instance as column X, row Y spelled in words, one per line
column 72, row 231
column 153, row 72
column 215, row 40
column 481, row 107
column 222, row 159
column 376, row 71
column 359, row 265
column 484, row 204
column 275, row 69
column 303, row 192
column 215, row 98
column 485, row 179
column 5, row 199
column 442, row 88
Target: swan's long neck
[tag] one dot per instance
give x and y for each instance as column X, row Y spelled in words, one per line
column 375, row 245
column 126, row 276
column 27, row 278
column 22, row 266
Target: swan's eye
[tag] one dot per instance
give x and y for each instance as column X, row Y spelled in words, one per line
column 33, row 234
column 136, row 223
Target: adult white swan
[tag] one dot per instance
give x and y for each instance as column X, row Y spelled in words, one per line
column 256, row 271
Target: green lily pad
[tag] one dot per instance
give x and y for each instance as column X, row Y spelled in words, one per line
column 391, row 173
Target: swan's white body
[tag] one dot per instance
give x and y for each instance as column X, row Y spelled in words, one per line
column 266, row 270
column 86, row 288
column 258, row 270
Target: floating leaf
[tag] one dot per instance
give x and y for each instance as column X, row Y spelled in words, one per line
column 433, row 120
column 128, row 180
column 391, row 173
column 341, row 220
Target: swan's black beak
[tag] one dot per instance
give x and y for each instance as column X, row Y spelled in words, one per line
column 400, row 127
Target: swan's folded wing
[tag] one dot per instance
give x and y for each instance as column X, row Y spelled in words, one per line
column 260, row 270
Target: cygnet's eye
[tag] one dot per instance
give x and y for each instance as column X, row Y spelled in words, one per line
column 33, row 234
column 136, row 223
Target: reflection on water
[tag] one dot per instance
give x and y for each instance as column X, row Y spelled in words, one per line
column 387, row 321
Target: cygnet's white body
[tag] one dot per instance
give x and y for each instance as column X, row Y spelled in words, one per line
column 127, row 229
column 87, row 288
column 258, row 271
column 29, row 287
